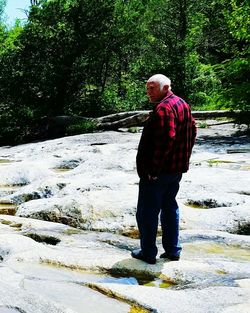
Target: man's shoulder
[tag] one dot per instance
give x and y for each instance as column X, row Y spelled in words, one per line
column 174, row 101
column 163, row 106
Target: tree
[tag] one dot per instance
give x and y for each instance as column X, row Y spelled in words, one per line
column 77, row 58
column 235, row 71
column 2, row 6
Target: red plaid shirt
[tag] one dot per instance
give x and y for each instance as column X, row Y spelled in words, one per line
column 167, row 138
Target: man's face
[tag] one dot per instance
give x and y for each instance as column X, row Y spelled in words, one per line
column 154, row 91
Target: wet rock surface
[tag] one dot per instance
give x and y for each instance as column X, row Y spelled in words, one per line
column 67, row 226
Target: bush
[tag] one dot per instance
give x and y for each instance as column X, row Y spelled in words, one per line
column 83, row 127
column 15, row 130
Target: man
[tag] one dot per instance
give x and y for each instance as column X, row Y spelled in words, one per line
column 163, row 155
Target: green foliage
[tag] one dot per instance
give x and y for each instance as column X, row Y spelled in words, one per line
column 235, row 72
column 134, row 97
column 75, row 57
column 203, row 125
column 83, row 127
column 238, row 19
column 13, row 128
column 133, row 130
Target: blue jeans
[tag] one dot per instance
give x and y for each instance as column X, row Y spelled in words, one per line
column 158, row 197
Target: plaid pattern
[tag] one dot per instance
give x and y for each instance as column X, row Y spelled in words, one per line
column 167, row 138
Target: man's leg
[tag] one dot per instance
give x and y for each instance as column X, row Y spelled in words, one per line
column 148, row 209
column 170, row 216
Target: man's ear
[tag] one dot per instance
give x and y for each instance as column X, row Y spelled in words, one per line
column 165, row 88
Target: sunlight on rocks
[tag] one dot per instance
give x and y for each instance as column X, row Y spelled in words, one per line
column 135, row 309
column 90, row 182
column 9, row 310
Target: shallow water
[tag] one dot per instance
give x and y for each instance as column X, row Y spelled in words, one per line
column 7, row 209
column 218, row 250
column 5, row 161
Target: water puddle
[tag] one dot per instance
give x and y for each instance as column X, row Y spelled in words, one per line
column 137, row 279
column 8, row 208
column 10, row 186
column 72, row 231
column 196, row 206
column 218, row 250
column 12, row 224
column 212, row 162
column 119, row 280
column 53, row 282
column 61, row 170
column 245, row 167
column 227, row 164
column 159, row 283
column 6, row 161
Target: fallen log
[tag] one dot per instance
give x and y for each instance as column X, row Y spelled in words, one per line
column 137, row 118
column 107, row 123
column 57, row 126
column 215, row 114
column 120, row 116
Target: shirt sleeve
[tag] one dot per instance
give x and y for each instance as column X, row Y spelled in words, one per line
column 164, row 136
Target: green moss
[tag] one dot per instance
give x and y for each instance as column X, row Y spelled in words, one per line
column 165, row 285
column 133, row 130
column 71, row 231
column 6, row 222
column 196, row 206
column 217, row 162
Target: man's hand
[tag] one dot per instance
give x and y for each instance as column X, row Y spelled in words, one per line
column 152, row 177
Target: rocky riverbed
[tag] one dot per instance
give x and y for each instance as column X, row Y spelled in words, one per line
column 67, row 226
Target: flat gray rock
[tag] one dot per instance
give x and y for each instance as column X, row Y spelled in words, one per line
column 67, row 247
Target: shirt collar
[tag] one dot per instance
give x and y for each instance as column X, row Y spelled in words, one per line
column 169, row 93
